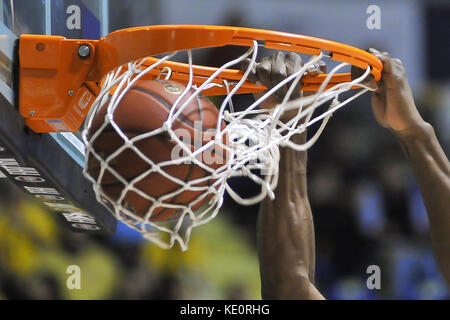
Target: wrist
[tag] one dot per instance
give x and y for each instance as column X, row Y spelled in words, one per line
column 420, row 130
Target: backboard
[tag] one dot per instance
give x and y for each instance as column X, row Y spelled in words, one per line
column 48, row 166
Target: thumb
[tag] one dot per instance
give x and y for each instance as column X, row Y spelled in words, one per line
column 369, row 81
column 379, row 108
column 245, row 64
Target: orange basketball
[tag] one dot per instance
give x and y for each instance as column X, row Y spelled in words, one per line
column 144, row 108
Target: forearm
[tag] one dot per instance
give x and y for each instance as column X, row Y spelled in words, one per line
column 432, row 171
column 286, row 234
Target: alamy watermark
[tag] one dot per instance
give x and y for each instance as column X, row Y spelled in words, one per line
column 73, row 281
column 374, row 19
column 210, row 150
column 374, row 280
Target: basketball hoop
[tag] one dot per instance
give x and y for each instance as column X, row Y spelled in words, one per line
column 251, row 138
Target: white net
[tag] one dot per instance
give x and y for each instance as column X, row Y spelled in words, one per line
column 251, row 140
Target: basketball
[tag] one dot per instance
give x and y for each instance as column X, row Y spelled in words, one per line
column 144, row 108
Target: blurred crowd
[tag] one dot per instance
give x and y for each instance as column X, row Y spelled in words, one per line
column 35, row 252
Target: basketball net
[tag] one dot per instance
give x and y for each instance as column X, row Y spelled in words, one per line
column 254, row 137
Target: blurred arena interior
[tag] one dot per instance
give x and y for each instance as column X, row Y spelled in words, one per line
column 367, row 208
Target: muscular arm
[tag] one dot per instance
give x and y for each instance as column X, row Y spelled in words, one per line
column 286, row 244
column 432, row 172
column 394, row 108
column 285, row 237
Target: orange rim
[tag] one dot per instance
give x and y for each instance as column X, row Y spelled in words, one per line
column 180, row 72
column 57, row 85
column 131, row 44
